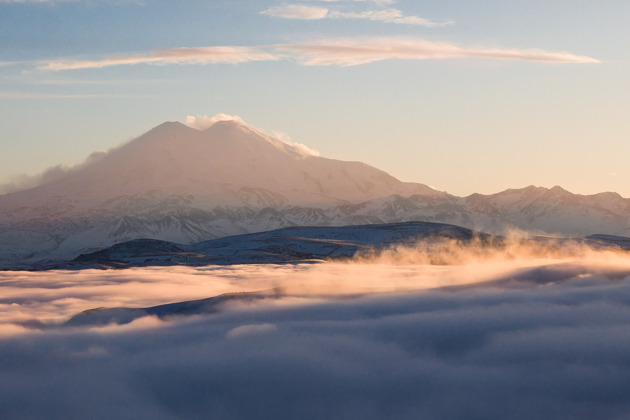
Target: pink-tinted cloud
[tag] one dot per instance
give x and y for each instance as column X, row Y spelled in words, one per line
column 339, row 52
column 352, row 52
column 389, row 16
column 300, row 11
column 296, row 11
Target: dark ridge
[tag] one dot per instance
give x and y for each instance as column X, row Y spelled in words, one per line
column 120, row 316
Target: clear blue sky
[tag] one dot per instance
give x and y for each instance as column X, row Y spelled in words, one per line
column 465, row 96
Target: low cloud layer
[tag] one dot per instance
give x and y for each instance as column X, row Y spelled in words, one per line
column 339, row 52
column 537, row 338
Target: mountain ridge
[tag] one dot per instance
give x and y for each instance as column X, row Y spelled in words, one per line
column 299, row 244
column 180, row 184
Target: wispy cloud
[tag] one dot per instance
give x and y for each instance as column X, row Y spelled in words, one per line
column 296, row 11
column 201, row 122
column 352, row 52
column 304, row 149
column 200, row 55
column 24, row 181
column 378, row 2
column 339, row 52
column 389, row 16
column 301, row 11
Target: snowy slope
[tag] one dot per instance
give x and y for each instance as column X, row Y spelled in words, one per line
column 183, row 185
column 300, row 244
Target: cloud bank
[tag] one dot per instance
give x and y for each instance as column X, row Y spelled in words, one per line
column 339, row 52
column 553, row 346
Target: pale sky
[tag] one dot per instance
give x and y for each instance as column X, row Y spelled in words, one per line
column 465, row 96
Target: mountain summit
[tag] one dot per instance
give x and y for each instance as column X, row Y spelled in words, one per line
column 227, row 164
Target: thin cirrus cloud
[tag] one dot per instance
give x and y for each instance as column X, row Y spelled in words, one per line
column 389, row 16
column 337, row 52
column 297, row 11
column 353, row 52
column 201, row 55
column 300, row 11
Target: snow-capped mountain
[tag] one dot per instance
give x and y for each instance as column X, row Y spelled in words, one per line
column 227, row 164
column 180, row 184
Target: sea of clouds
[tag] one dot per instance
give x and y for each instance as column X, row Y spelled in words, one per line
column 484, row 335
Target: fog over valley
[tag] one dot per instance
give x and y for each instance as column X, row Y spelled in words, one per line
column 486, row 333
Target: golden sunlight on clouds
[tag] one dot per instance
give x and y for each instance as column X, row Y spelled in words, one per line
column 55, row 296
